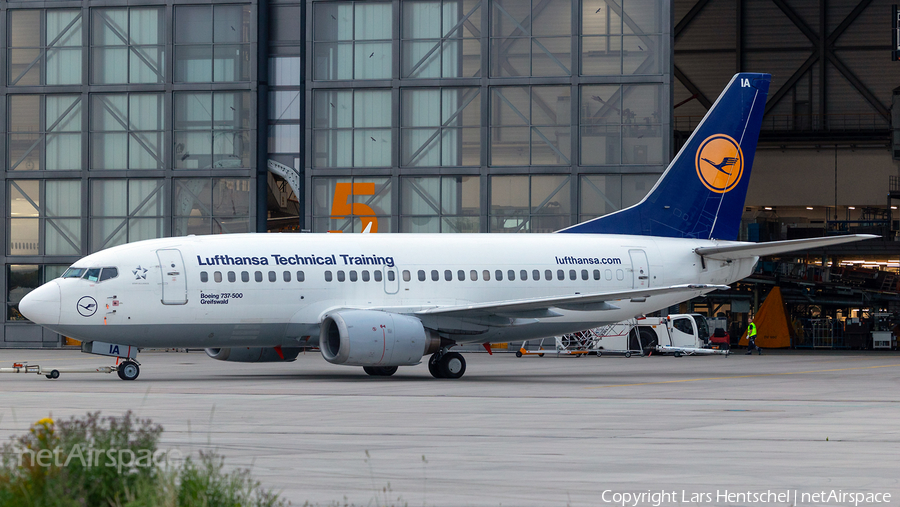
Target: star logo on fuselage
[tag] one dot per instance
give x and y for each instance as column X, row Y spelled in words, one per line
column 140, row 273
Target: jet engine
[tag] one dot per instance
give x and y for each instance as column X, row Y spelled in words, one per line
column 254, row 354
column 374, row 338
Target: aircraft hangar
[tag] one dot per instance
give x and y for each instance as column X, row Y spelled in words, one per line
column 127, row 120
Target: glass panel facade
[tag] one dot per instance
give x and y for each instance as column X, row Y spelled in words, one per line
column 440, row 204
column 531, row 38
column 352, row 204
column 352, row 128
column 45, row 217
column 539, row 203
column 543, row 153
column 621, row 38
column 352, row 40
column 128, row 45
column 123, row 211
column 210, row 206
column 45, row 47
column 44, row 132
column 622, row 124
column 530, row 125
column 440, row 127
column 99, row 111
column 212, row 130
column 440, row 39
column 212, row 43
column 127, row 131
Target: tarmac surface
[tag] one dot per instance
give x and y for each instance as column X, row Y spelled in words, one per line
column 513, row 431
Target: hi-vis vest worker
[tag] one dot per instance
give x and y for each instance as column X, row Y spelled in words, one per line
column 751, row 331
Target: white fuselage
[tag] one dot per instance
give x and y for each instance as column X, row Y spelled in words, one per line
column 203, row 291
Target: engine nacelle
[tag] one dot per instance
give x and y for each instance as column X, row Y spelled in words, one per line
column 374, row 338
column 254, row 354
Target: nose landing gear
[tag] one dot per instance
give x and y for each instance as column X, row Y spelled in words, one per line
column 128, row 370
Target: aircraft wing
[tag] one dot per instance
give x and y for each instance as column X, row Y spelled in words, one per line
column 732, row 251
column 541, row 307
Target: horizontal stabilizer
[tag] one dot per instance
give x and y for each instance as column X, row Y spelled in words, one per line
column 732, row 251
column 589, row 302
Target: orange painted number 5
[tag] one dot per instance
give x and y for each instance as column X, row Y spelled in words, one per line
column 342, row 205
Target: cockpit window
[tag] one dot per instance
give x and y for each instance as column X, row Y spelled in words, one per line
column 74, row 273
column 92, row 275
column 108, row 273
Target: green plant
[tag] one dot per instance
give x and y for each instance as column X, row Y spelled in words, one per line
column 96, row 461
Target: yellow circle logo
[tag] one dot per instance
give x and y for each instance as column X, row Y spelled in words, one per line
column 720, row 163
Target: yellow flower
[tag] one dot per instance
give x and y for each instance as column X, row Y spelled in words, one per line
column 45, row 421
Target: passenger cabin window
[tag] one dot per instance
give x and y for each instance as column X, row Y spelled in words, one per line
column 448, row 275
column 204, row 277
column 341, row 276
column 328, row 276
column 560, row 274
column 596, row 274
column 301, row 276
column 377, row 275
column 365, row 275
column 353, row 275
column 523, row 275
column 461, row 275
column 584, row 274
column 245, row 276
column 511, row 275
column 609, row 274
column 406, row 276
column 273, row 276
column 287, row 276
column 473, row 275
column 486, row 275
column 217, row 276
column 421, row 274
column 620, row 275
column 231, row 277
column 258, row 276
column 435, row 276
column 92, row 275
column 108, row 274
column 572, row 274
column 498, row 275
column 536, row 275
column 548, row 275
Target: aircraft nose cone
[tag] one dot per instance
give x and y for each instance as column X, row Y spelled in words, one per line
column 41, row 305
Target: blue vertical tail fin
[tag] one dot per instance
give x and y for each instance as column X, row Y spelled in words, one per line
column 701, row 194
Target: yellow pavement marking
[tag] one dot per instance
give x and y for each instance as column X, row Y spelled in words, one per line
column 744, row 376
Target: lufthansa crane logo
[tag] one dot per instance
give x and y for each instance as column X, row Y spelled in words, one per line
column 86, row 306
column 720, row 163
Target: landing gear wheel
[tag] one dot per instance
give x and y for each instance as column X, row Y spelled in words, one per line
column 128, row 370
column 452, row 365
column 53, row 375
column 434, row 366
column 380, row 371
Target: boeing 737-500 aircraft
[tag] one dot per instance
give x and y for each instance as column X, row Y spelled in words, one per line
column 386, row 300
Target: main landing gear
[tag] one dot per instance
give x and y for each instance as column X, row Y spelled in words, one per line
column 446, row 364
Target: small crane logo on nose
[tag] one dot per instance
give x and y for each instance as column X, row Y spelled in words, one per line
column 86, row 306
